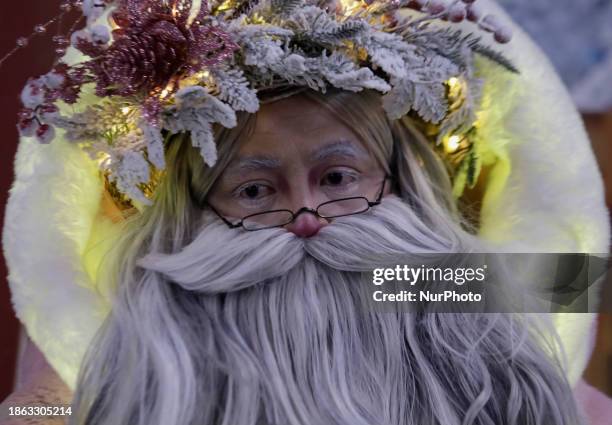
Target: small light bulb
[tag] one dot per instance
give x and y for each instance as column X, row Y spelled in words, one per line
column 125, row 110
column 453, row 143
column 164, row 93
column 348, row 5
column 452, row 82
column 104, row 160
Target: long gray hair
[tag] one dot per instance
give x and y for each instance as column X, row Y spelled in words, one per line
column 217, row 326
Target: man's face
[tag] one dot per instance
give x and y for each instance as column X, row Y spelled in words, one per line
column 299, row 155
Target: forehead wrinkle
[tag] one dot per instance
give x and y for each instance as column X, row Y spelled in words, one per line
column 339, row 148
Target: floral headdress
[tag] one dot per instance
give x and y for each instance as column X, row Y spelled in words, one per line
column 177, row 66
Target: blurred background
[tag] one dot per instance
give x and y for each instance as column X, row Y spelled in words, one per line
column 577, row 36
column 17, row 19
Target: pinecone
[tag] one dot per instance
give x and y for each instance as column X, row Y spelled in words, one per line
column 141, row 61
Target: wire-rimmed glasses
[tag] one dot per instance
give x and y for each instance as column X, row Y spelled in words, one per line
column 329, row 209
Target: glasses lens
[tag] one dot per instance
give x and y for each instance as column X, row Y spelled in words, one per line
column 267, row 220
column 343, row 207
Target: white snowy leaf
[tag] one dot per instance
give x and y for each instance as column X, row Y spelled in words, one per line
column 131, row 170
column 203, row 138
column 387, row 51
column 234, row 89
column 195, row 103
column 155, row 144
column 399, row 100
column 430, row 102
column 357, row 80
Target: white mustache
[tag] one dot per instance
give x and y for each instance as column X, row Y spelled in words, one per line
column 224, row 260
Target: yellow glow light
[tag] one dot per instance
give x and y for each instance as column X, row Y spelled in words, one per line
column 452, row 144
column 453, row 82
column 164, row 93
column 125, row 110
column 456, row 88
column 349, row 6
column 104, row 159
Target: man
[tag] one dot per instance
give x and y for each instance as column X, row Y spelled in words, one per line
column 255, row 313
column 235, row 296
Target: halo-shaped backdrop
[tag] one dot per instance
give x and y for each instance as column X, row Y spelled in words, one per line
column 544, row 194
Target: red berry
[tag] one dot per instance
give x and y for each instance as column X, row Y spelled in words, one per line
column 503, row 34
column 48, row 108
column 42, row 129
column 457, row 13
column 28, row 127
column 45, row 133
column 436, row 6
column 489, row 23
column 474, row 12
column 416, row 5
column 25, row 113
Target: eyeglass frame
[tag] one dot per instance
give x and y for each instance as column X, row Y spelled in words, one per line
column 295, row 215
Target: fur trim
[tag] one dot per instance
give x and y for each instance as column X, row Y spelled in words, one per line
column 553, row 199
column 545, row 195
column 49, row 216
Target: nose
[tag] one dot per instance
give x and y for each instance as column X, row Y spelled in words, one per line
column 306, row 224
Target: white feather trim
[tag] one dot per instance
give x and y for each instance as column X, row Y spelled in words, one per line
column 52, row 204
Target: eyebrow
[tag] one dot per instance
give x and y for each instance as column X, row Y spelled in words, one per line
column 253, row 163
column 339, row 148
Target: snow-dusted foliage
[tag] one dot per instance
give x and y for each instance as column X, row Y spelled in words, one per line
column 236, row 52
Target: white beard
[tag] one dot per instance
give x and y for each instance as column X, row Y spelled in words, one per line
column 261, row 328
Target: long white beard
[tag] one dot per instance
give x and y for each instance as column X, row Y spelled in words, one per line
column 261, row 328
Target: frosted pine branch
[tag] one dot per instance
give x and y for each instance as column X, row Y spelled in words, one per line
column 234, row 89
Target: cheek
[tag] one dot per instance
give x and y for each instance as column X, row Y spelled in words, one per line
column 214, row 194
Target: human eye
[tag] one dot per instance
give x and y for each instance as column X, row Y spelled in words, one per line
column 339, row 179
column 253, row 193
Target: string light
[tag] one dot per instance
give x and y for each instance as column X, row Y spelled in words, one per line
column 349, row 6
column 457, row 92
column 125, row 110
column 104, row 159
column 452, row 144
column 196, row 6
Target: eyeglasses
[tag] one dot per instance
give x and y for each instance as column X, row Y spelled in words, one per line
column 330, row 209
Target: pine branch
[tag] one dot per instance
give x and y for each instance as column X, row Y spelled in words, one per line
column 235, row 90
column 495, row 56
column 285, row 7
column 348, row 29
column 430, row 102
column 473, row 168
